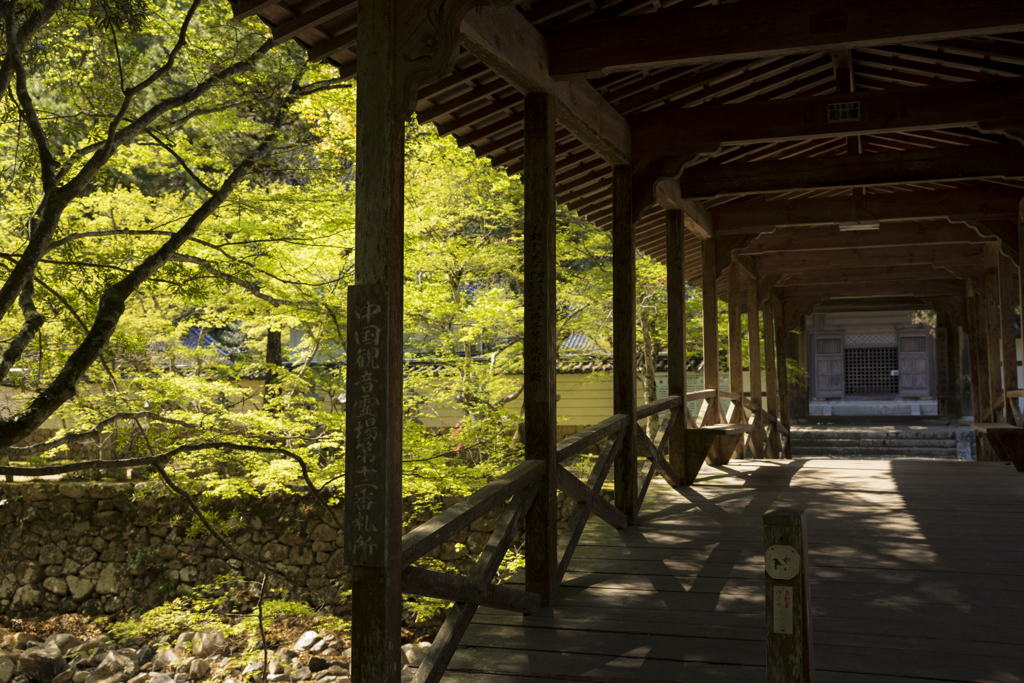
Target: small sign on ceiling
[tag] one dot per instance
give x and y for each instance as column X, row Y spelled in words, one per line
column 844, row 112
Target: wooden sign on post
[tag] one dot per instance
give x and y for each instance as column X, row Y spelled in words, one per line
column 790, row 647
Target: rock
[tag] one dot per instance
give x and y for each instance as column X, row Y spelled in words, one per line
column 319, row 646
column 306, row 640
column 29, row 572
column 80, row 588
column 79, row 677
column 347, row 654
column 51, row 554
column 160, row 678
column 91, row 608
column 286, row 654
column 64, row 642
column 56, row 585
column 318, row 664
column 184, row 641
column 42, row 664
column 117, row 662
column 198, row 669
column 109, row 581
column 302, row 674
column 279, row 678
column 325, row 533
column 141, row 678
column 21, row 640
column 64, row 676
column 166, row 659
column 26, row 598
column 90, row 645
column 181, row 678
column 145, row 655
column 7, row 667
column 413, row 654
column 208, row 643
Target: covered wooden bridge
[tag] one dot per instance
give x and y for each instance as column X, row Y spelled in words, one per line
column 782, row 155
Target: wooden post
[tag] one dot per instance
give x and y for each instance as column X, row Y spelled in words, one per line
column 1008, row 296
column 735, row 320
column 1020, row 272
column 675, row 238
column 373, row 467
column 992, row 331
column 780, row 355
column 624, row 336
column 980, row 393
column 790, row 644
column 710, row 325
column 754, row 353
column 771, row 373
column 539, row 341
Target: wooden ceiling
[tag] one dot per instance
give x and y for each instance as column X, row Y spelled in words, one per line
column 725, row 108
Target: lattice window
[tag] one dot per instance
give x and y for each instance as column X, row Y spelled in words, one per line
column 912, row 344
column 876, row 339
column 830, row 346
column 870, row 372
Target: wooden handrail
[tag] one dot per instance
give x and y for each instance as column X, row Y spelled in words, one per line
column 658, row 406
column 750, row 405
column 583, row 439
column 443, row 526
column 728, row 395
column 701, row 395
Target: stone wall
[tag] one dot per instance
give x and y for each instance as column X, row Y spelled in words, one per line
column 101, row 548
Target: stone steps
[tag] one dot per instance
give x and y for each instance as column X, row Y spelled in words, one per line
column 878, row 443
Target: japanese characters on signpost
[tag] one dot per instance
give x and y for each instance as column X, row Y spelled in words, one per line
column 790, row 649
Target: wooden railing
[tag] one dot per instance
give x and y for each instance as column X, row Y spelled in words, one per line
column 519, row 487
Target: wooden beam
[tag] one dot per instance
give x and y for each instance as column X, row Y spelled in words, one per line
column 697, row 218
column 709, row 272
column 738, row 218
column 839, row 275
column 675, row 131
column 675, row 262
column 771, row 375
column 512, row 48
column 831, row 238
column 780, row 363
column 756, row 438
column 865, row 170
column 784, row 27
column 1008, row 334
column 539, row 352
column 923, row 288
column 993, row 345
column 624, row 338
column 796, row 262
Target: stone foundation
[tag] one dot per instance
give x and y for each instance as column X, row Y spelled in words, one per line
column 101, row 548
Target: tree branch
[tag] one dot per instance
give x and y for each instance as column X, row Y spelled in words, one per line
column 75, row 437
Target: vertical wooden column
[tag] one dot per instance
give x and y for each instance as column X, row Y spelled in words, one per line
column 710, row 325
column 1008, row 297
column 992, row 331
column 539, row 341
column 771, row 374
column 789, row 636
column 754, row 354
column 780, row 351
column 675, row 238
column 735, row 318
column 373, row 467
column 624, row 336
column 980, row 394
column 1020, row 269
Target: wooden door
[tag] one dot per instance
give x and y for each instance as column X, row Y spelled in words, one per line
column 914, row 375
column 828, row 366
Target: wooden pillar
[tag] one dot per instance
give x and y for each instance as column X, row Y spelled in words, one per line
column 735, row 320
column 710, row 325
column 373, row 467
column 539, row 341
column 675, row 237
column 754, row 354
column 624, row 336
column 1020, row 272
column 992, row 331
column 771, row 373
column 780, row 350
column 980, row 394
column 1008, row 297
column 789, row 635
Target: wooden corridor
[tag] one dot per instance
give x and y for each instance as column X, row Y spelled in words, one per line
column 916, row 575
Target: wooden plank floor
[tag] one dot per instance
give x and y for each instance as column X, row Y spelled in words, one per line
column 917, row 574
